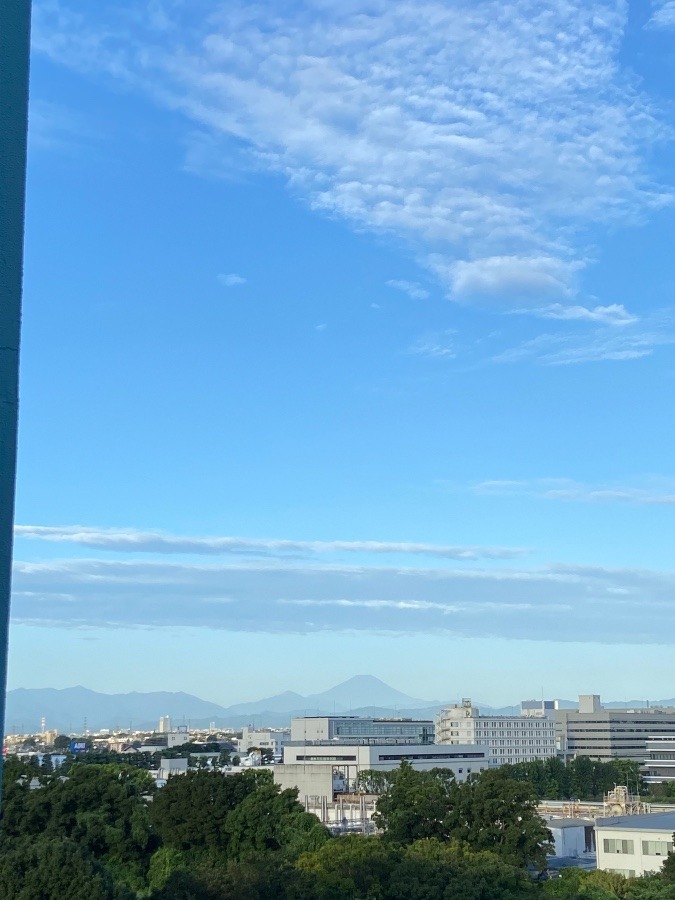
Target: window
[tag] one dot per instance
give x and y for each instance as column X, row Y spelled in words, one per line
column 657, row 848
column 617, row 845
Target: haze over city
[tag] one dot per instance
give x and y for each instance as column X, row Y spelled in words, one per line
column 348, row 347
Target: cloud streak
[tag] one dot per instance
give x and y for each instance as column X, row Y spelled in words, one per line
column 411, row 288
column 563, row 603
column 633, row 341
column 489, row 136
column 133, row 541
column 662, row 494
column 231, row 280
column 663, row 15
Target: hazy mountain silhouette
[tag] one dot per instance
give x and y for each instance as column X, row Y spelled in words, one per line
column 362, row 695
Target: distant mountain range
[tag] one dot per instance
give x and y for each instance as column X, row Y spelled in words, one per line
column 74, row 709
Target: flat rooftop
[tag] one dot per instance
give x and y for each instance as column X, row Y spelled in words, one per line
column 644, row 822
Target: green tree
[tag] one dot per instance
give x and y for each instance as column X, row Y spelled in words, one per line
column 179, row 811
column 430, row 870
column 496, row 813
column 62, row 742
column 270, row 819
column 101, row 808
column 350, row 867
column 650, row 887
column 53, row 868
column 489, row 811
column 668, row 868
column 415, row 805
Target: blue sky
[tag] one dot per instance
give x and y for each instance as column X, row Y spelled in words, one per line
column 348, row 346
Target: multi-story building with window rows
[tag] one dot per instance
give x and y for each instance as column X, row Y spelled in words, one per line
column 510, row 739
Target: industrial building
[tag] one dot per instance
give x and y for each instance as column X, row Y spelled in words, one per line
column 634, row 845
column 611, row 733
column 510, row 739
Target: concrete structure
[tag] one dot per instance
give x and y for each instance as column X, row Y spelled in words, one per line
column 347, row 728
column 169, row 767
column 272, row 739
column 164, row 724
column 610, row 733
column 14, row 55
column 511, row 739
column 634, row 845
column 659, row 764
column 572, row 838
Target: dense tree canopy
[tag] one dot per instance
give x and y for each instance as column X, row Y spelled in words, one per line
column 104, row 833
column 487, row 812
column 581, row 778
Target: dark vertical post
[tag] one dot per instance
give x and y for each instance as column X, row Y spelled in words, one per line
column 14, row 53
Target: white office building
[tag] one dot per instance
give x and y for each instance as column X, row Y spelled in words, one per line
column 634, row 845
column 510, row 739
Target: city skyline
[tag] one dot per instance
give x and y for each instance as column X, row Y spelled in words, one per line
column 348, row 345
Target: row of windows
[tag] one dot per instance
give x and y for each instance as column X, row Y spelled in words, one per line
column 657, row 848
column 506, row 726
column 325, row 758
column 400, row 756
column 618, row 845
column 649, row 848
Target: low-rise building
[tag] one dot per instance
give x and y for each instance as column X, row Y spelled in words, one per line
column 572, row 838
column 511, row 739
column 634, row 845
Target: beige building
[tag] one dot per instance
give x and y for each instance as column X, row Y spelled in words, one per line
column 510, row 739
column 634, row 845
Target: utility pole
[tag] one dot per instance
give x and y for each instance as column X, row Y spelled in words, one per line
column 14, row 55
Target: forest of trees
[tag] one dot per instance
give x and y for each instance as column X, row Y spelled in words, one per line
column 579, row 779
column 105, row 833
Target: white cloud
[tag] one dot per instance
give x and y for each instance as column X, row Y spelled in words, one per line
column 633, row 341
column 438, row 346
column 614, row 314
column 130, row 540
column 599, row 604
column 487, row 135
column 411, row 288
column 231, row 280
column 659, row 492
column 515, row 278
column 663, row 15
